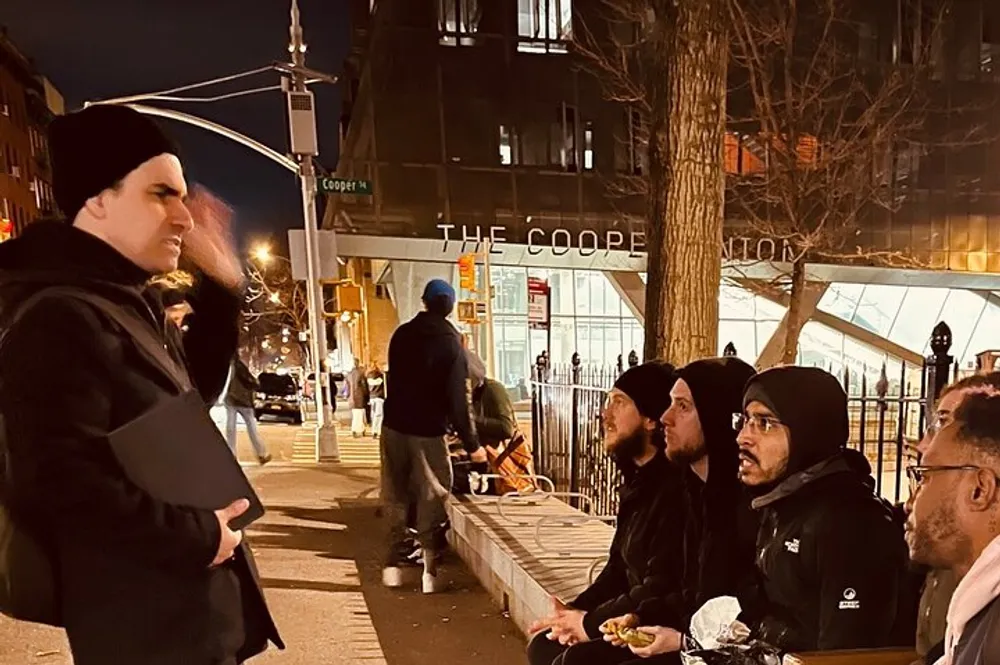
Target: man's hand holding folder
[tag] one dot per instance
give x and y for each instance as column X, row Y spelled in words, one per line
column 229, row 540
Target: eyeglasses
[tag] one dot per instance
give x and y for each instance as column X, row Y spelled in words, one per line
column 916, row 473
column 756, row 423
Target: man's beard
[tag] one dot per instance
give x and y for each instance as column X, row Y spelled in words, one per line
column 939, row 542
column 631, row 446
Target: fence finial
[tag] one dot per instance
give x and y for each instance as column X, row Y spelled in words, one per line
column 729, row 351
column 633, row 358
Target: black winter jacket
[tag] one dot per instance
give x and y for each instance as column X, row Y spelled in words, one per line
column 831, row 561
column 720, row 528
column 135, row 581
column 430, row 386
column 645, row 552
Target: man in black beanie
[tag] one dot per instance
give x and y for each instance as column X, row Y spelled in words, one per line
column 719, row 527
column 830, row 558
column 648, row 527
column 139, row 580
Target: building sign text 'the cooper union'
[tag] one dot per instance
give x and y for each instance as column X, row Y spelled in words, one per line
column 560, row 242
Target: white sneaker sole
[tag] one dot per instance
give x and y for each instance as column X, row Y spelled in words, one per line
column 392, row 577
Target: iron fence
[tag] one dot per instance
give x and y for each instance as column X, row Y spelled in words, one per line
column 886, row 421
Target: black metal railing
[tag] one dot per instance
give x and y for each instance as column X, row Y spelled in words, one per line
column 886, row 420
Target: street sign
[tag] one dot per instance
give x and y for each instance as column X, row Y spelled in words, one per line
column 345, row 186
column 467, row 272
column 538, row 304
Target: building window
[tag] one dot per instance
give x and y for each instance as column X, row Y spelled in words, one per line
column 564, row 138
column 989, row 48
column 631, row 153
column 508, row 145
column 544, row 26
column 588, row 146
column 457, row 21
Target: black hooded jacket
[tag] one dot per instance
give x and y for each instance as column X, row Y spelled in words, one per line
column 831, row 561
column 134, row 573
column 719, row 527
column 430, row 387
column 645, row 552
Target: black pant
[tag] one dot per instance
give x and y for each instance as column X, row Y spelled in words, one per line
column 543, row 651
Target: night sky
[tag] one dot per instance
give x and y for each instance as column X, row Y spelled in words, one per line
column 93, row 49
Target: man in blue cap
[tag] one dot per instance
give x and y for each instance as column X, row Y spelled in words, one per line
column 428, row 396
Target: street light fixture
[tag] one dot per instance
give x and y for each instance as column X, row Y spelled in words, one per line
column 262, row 253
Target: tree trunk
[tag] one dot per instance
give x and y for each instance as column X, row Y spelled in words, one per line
column 794, row 319
column 687, row 251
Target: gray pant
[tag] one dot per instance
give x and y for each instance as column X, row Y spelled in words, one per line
column 416, row 471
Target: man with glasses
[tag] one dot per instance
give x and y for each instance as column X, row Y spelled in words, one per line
column 940, row 584
column 830, row 559
column 954, row 524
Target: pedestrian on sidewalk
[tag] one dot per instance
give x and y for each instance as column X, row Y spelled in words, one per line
column 429, row 397
column 357, row 394
column 239, row 402
column 376, row 390
column 139, row 580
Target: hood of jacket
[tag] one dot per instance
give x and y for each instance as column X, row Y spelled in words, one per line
column 426, row 324
column 812, row 404
column 716, row 386
column 52, row 252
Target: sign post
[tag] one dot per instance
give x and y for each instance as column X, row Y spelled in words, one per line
column 540, row 308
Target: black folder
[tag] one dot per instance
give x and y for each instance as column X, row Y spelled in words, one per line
column 177, row 454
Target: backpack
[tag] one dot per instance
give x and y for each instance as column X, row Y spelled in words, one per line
column 29, row 588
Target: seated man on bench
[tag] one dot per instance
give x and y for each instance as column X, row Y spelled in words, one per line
column 650, row 521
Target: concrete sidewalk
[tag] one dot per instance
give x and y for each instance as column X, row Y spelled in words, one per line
column 317, row 549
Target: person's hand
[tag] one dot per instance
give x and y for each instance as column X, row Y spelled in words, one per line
column 545, row 623
column 568, row 628
column 209, row 245
column 478, row 456
column 665, row 640
column 229, row 540
column 611, row 627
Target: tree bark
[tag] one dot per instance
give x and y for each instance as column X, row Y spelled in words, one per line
column 686, row 252
column 794, row 318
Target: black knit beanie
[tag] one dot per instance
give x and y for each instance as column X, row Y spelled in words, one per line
column 648, row 385
column 811, row 403
column 717, row 390
column 93, row 149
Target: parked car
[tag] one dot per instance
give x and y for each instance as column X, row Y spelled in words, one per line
column 277, row 396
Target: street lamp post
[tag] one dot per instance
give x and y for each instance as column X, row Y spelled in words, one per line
column 302, row 130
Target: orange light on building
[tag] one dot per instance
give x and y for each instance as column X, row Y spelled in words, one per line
column 6, row 229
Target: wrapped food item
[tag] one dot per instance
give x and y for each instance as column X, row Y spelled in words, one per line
column 718, row 638
column 624, row 628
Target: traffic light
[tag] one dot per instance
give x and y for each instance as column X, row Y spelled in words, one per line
column 467, row 272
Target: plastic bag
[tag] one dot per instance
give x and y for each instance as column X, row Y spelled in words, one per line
column 718, row 638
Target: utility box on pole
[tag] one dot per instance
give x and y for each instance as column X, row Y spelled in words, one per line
column 302, row 121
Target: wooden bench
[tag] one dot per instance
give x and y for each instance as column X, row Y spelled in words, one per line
column 506, row 557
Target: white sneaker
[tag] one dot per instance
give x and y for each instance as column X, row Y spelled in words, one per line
column 392, row 577
column 432, row 583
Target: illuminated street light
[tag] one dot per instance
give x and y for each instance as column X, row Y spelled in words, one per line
column 275, row 298
column 262, row 253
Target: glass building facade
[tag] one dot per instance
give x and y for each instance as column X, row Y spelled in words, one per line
column 590, row 318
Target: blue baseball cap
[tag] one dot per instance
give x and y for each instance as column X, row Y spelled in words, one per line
column 439, row 289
